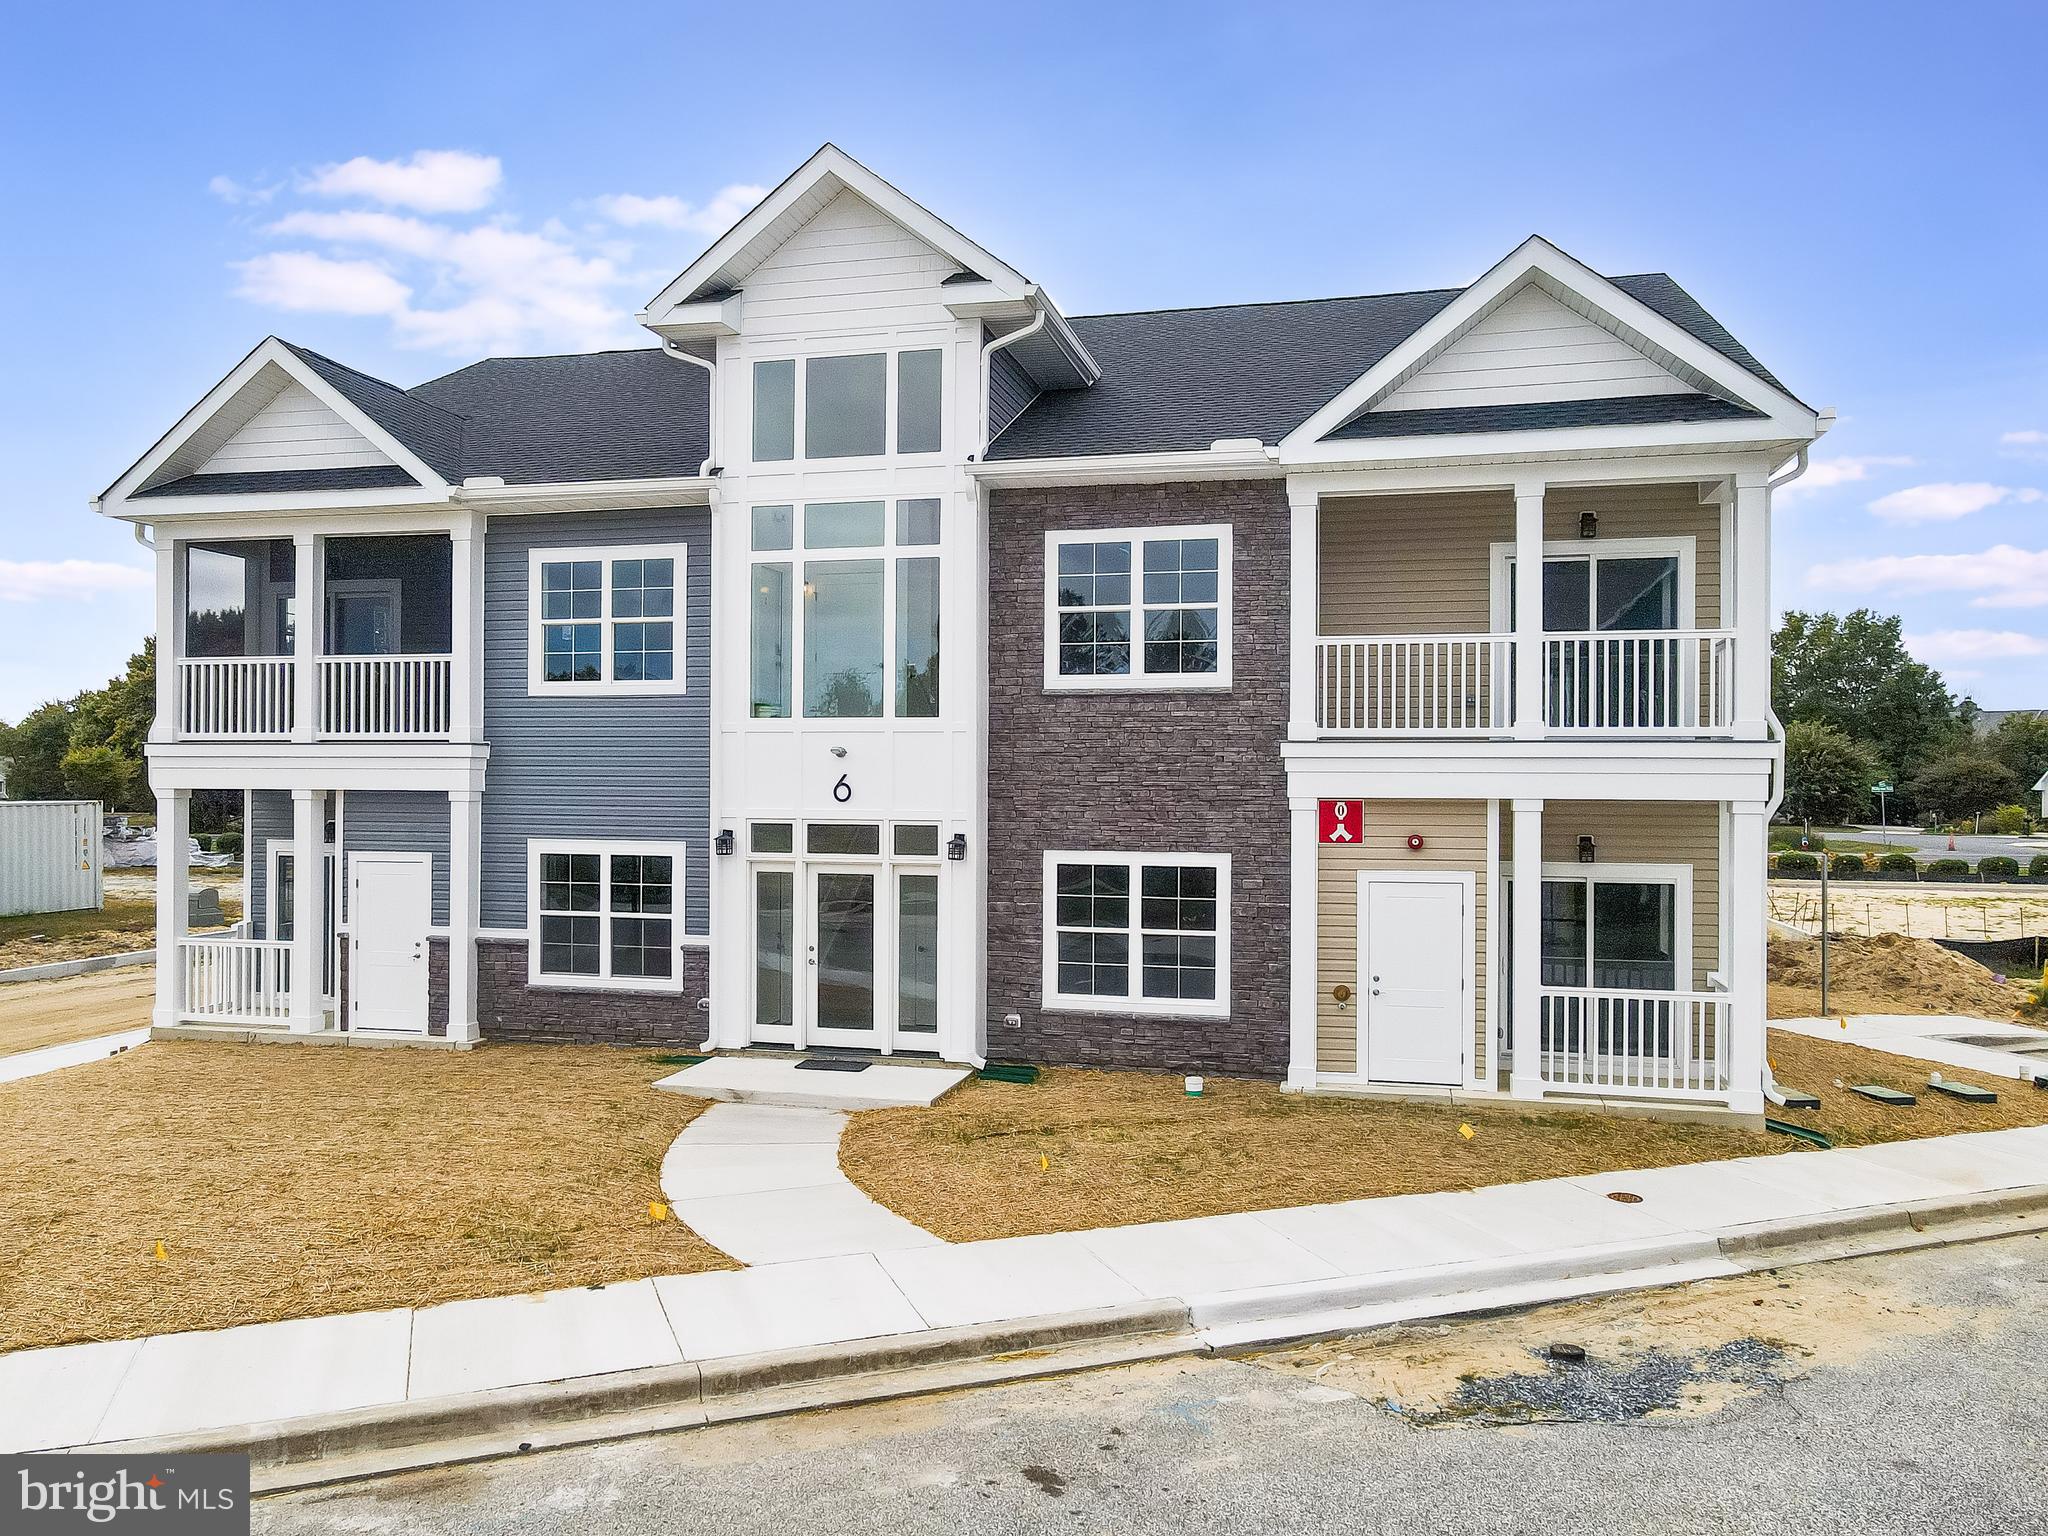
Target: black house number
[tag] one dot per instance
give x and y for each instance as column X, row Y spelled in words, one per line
column 842, row 791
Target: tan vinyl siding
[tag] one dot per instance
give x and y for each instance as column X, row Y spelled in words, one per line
column 1422, row 565
column 1642, row 832
column 1454, row 838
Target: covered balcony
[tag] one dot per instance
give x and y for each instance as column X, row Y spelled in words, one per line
column 1422, row 627
column 315, row 638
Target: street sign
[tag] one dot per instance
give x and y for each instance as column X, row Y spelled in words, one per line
column 1880, row 788
column 1339, row 821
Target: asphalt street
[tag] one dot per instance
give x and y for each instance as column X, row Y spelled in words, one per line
column 1893, row 1394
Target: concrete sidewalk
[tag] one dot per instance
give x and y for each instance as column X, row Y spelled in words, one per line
column 1237, row 1279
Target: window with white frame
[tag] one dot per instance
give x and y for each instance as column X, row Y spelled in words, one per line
column 607, row 619
column 604, row 914
column 1138, row 608
column 849, row 405
column 1138, row 933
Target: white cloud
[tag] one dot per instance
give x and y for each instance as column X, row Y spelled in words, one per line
column 432, row 181
column 236, row 193
column 306, row 281
column 2027, row 438
column 667, row 212
column 1822, row 474
column 31, row 581
column 1945, row 501
column 2000, row 577
column 1941, row 646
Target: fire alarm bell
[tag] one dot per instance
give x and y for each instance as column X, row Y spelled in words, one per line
column 1414, row 842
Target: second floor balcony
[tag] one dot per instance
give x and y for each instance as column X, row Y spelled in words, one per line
column 370, row 658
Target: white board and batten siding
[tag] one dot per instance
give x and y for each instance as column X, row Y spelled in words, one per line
column 1531, row 347
column 851, row 267
column 295, row 430
column 50, row 856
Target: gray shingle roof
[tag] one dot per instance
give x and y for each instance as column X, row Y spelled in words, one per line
column 1176, row 380
column 358, row 477
column 428, row 430
column 1616, row 411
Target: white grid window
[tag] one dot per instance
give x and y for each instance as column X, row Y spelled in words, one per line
column 604, row 914
column 1137, row 933
column 1138, row 608
column 608, row 619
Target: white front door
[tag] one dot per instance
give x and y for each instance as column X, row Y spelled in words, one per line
column 846, row 916
column 390, row 904
column 1414, row 945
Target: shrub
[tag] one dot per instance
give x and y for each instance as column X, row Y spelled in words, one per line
column 1798, row 864
column 1999, row 868
column 1900, row 866
column 1948, row 869
column 2037, row 866
column 1849, row 866
column 2009, row 820
column 2036, row 1005
column 227, row 842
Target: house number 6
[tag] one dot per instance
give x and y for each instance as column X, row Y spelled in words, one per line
column 842, row 791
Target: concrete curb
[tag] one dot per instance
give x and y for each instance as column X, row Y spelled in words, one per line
column 59, row 968
column 1884, row 1228
column 304, row 1452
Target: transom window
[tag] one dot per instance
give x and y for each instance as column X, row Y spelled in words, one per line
column 1129, row 608
column 605, row 914
column 850, row 405
column 1137, row 933
column 606, row 619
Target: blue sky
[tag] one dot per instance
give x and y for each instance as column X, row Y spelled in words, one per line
column 1860, row 192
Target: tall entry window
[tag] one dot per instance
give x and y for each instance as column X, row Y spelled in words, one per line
column 852, row 607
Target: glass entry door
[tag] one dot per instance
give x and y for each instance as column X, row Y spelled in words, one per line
column 845, row 1006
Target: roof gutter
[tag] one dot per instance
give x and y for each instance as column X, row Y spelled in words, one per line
column 1230, row 459
column 988, row 352
column 671, row 490
column 710, row 367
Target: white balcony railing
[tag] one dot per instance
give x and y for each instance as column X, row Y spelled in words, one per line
column 387, row 696
column 1638, row 1043
column 235, row 981
column 1414, row 685
column 235, row 696
column 1675, row 681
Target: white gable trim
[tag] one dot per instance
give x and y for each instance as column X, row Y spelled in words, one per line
column 1582, row 289
column 790, row 206
column 269, row 353
column 292, row 430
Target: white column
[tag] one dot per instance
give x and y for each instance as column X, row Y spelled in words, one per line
column 1302, row 987
column 309, row 606
column 1752, row 605
column 1528, row 610
column 170, row 634
column 465, row 845
column 1525, row 1024
column 1743, row 964
column 1304, row 605
column 173, row 899
column 309, row 908
column 466, row 628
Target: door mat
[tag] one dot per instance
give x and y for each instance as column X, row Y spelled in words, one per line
column 831, row 1064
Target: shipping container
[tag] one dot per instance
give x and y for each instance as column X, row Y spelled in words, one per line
column 50, row 856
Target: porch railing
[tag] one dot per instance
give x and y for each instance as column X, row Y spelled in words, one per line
column 1414, row 685
column 1639, row 1043
column 1652, row 680
column 235, row 696
column 390, row 696
column 235, row 981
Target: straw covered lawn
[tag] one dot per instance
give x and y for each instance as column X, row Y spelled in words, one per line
column 1122, row 1147
column 290, row 1180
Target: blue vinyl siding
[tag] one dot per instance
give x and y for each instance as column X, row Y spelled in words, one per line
column 270, row 820
column 604, row 768
column 401, row 821
column 1010, row 390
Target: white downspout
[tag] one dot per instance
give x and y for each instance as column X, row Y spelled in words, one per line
column 988, row 353
column 710, row 367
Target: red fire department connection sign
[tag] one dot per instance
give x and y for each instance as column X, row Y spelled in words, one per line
column 1339, row 821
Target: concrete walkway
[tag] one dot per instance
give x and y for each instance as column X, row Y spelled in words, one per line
column 1241, row 1278
column 1951, row 1041
column 761, row 1182
column 70, row 1054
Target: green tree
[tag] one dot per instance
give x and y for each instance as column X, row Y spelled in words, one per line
column 102, row 774
column 1827, row 774
column 2020, row 741
column 1852, row 672
column 39, row 745
column 119, row 715
column 1961, row 784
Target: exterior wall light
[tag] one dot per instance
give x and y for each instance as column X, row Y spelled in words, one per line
column 1587, row 850
column 724, row 843
column 1589, row 525
column 956, row 846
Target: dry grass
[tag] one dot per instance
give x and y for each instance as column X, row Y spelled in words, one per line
column 1130, row 1147
column 125, row 923
column 34, row 1014
column 291, row 1180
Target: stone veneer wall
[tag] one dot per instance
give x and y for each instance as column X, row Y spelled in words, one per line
column 1142, row 771
column 508, row 1009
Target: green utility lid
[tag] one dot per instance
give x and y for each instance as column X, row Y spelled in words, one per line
column 1884, row 1095
column 1969, row 1093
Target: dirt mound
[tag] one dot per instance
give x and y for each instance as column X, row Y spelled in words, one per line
column 1885, row 973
